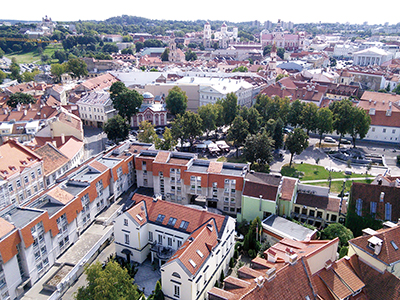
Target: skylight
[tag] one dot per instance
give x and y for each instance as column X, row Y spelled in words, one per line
column 139, row 217
column 200, row 253
column 394, row 245
column 160, row 218
column 184, row 225
column 192, row 263
column 171, row 221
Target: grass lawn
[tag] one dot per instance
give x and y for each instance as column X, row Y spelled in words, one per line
column 314, row 172
column 336, row 186
column 34, row 56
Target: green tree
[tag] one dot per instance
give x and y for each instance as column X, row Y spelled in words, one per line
column 258, row 148
column 165, row 55
column 192, row 126
column 167, row 142
column 296, row 142
column 277, row 136
column 309, row 117
column 397, row 89
column 230, row 108
column 280, row 76
column 280, row 52
column 157, row 293
column 267, row 50
column 342, row 117
column 2, row 76
column 20, row 98
column 337, row 230
column 77, row 68
column 240, row 69
column 15, row 70
column 147, row 134
column 252, row 116
column 208, row 115
column 324, row 122
column 112, row 283
column 176, row 101
column 30, row 76
column 360, row 122
column 190, row 55
column 56, row 71
column 116, row 129
column 126, row 101
column 294, row 116
column 238, row 132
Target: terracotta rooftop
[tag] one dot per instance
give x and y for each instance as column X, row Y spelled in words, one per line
column 53, row 159
column 322, row 202
column 5, row 227
column 71, row 147
column 215, row 167
column 59, row 194
column 194, row 217
column 287, row 190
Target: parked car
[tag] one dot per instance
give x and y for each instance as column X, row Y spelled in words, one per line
column 328, row 139
column 345, row 142
column 287, row 130
column 160, row 130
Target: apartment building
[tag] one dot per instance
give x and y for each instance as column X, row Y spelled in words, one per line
column 35, row 234
column 191, row 246
column 182, row 178
column 21, row 174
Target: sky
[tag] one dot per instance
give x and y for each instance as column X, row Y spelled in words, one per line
column 296, row 11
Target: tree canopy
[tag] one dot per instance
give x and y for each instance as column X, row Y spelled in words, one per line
column 337, row 230
column 230, row 108
column 126, row 102
column 77, row 68
column 258, row 148
column 324, row 122
column 296, row 142
column 116, row 129
column 110, row 283
column 176, row 101
column 238, row 132
column 20, row 98
column 147, row 134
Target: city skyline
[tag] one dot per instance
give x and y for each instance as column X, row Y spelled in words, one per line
column 312, row 11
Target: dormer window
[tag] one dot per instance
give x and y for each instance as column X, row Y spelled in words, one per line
column 372, row 111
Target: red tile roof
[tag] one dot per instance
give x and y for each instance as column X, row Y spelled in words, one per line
column 287, row 190
column 53, row 159
column 327, row 203
column 195, row 217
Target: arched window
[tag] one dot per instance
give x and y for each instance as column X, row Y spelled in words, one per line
column 176, row 275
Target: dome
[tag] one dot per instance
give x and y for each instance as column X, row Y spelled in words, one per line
column 148, row 95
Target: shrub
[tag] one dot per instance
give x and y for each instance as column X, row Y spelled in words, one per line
column 232, row 263
column 252, row 253
column 343, row 251
column 236, row 254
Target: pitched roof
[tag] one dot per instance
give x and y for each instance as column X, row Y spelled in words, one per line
column 5, row 227
column 196, row 249
column 15, row 157
column 323, row 202
column 61, row 195
column 53, row 159
column 194, row 217
column 390, row 240
column 71, row 147
column 372, row 193
column 288, row 187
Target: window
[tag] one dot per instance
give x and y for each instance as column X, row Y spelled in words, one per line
column 384, row 130
column 125, row 222
column 160, row 239
column 176, row 291
column 184, row 225
column 170, row 241
column 388, row 211
column 39, row 172
column 126, row 239
column 160, row 218
column 179, row 243
column 150, row 236
column 297, row 210
column 171, row 221
column 33, row 175
column 26, row 179
column 359, row 207
column 333, row 218
column 393, row 130
column 10, row 187
column 226, row 208
column 18, row 183
column 373, row 207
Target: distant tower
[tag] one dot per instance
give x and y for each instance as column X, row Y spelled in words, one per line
column 172, row 55
column 207, row 35
column 223, row 42
column 272, row 55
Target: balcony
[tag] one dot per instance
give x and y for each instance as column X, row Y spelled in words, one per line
column 163, row 253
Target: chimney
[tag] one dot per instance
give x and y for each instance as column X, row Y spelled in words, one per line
column 271, row 255
column 63, row 139
column 293, row 259
column 271, row 274
column 25, row 112
column 375, row 243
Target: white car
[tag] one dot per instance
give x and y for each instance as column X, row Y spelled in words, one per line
column 328, row 139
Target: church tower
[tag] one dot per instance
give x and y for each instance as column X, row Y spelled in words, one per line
column 272, row 55
column 207, row 35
